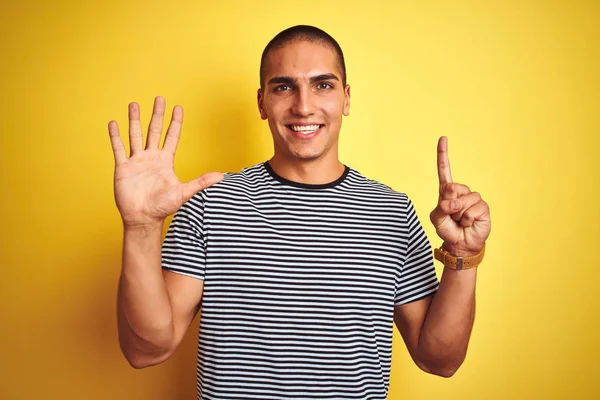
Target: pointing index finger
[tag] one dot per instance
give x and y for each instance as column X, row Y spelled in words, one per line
column 442, row 161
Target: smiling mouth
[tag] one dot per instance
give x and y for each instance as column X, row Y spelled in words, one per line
column 304, row 129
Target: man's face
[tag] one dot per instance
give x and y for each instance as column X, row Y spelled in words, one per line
column 303, row 99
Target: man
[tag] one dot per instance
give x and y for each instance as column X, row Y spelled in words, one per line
column 299, row 264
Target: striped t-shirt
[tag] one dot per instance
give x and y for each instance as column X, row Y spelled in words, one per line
column 300, row 283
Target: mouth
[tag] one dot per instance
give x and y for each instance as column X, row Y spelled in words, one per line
column 305, row 131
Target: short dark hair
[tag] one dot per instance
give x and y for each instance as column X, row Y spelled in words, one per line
column 302, row 33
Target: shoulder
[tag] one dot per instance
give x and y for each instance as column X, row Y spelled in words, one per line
column 255, row 175
column 371, row 188
column 235, row 187
column 249, row 181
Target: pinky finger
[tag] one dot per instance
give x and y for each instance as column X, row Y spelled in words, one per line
column 117, row 143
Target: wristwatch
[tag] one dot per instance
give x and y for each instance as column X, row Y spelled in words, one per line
column 457, row 262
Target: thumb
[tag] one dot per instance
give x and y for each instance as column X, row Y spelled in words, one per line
column 444, row 209
column 194, row 186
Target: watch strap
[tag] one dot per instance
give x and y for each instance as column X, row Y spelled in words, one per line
column 457, row 262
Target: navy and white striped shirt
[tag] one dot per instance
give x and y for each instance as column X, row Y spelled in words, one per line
column 300, row 283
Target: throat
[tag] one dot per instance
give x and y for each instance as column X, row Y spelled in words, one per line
column 313, row 172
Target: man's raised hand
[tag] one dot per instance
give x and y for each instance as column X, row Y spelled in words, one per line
column 461, row 218
column 146, row 187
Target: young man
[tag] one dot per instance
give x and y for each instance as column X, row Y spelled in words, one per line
column 299, row 264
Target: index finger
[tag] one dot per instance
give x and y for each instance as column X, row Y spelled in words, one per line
column 174, row 130
column 442, row 161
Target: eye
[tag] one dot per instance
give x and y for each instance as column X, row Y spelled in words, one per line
column 324, row 85
column 282, row 88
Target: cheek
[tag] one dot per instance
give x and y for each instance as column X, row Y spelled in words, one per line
column 277, row 110
column 334, row 111
column 334, row 106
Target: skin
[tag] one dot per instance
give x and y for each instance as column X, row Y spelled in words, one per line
column 154, row 307
column 302, row 87
column 437, row 329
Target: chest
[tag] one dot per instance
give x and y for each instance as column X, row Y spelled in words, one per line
column 302, row 250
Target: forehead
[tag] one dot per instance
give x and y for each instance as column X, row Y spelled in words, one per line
column 302, row 58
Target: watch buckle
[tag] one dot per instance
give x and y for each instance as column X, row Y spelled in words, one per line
column 459, row 263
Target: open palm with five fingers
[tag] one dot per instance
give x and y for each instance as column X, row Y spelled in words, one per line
column 146, row 187
column 461, row 218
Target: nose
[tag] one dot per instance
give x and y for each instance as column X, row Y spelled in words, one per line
column 304, row 104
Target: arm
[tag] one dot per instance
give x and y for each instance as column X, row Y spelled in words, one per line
column 437, row 329
column 154, row 307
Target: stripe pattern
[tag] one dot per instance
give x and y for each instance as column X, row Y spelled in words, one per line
column 300, row 283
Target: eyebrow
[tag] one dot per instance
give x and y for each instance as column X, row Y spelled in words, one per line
column 289, row 80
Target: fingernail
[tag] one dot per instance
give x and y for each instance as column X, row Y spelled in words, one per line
column 456, row 205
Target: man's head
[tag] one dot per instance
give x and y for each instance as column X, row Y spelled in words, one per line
column 304, row 94
column 302, row 33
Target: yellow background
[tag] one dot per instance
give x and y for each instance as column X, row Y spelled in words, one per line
column 515, row 85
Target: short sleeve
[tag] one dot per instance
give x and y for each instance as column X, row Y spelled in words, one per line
column 417, row 278
column 184, row 247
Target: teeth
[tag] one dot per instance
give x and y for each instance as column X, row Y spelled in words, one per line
column 305, row 128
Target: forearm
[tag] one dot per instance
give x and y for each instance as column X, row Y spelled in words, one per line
column 144, row 310
column 444, row 337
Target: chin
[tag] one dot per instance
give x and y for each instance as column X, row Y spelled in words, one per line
column 306, row 154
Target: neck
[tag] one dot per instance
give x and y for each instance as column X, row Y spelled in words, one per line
column 311, row 172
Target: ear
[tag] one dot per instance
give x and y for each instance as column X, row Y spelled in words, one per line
column 261, row 106
column 346, row 110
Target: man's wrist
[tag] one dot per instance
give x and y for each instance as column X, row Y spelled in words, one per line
column 143, row 236
column 459, row 251
column 457, row 261
column 144, row 229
